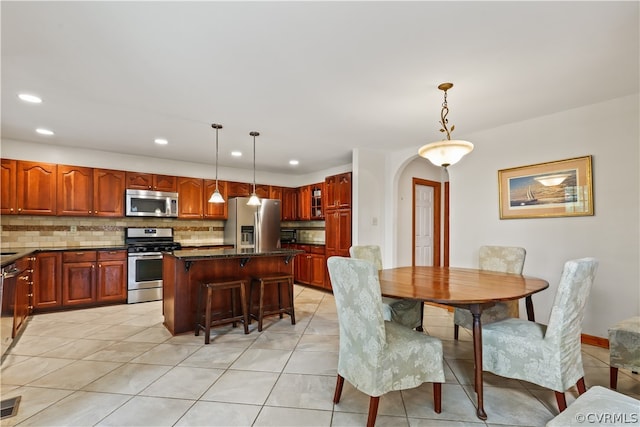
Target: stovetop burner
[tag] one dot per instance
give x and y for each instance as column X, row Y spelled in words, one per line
column 141, row 240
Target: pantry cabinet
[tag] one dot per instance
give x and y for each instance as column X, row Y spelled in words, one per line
column 338, row 191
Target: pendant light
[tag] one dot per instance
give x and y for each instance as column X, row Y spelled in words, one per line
column 216, row 197
column 446, row 152
column 254, row 200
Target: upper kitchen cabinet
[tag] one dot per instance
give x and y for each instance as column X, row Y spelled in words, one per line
column 275, row 192
column 338, row 191
column 289, row 204
column 215, row 210
column 108, row 192
column 190, row 197
column 8, row 185
column 90, row 192
column 148, row 181
column 262, row 191
column 35, row 188
column 317, row 205
column 304, row 203
column 238, row 189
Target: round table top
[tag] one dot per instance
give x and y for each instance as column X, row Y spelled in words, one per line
column 452, row 285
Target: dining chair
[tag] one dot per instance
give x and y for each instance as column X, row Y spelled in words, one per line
column 504, row 259
column 407, row 312
column 549, row 356
column 378, row 356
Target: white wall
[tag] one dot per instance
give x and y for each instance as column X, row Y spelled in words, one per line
column 607, row 131
column 368, row 186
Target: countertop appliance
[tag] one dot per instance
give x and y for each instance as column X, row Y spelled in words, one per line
column 151, row 203
column 288, row 235
column 253, row 227
column 144, row 250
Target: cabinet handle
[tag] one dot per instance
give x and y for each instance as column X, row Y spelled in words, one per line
column 19, row 209
column 11, row 210
column 93, row 266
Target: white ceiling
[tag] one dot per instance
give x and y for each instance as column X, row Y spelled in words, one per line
column 316, row 79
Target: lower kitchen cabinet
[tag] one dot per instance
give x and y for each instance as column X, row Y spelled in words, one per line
column 22, row 306
column 310, row 266
column 112, row 276
column 78, row 278
column 47, row 281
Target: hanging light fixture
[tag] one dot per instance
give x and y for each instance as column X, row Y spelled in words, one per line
column 446, row 152
column 216, row 197
column 254, row 200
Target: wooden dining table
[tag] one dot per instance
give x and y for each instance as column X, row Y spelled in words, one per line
column 467, row 288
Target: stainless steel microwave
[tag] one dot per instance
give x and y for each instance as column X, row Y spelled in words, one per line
column 151, row 203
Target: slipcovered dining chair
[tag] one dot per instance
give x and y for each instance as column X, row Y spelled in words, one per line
column 504, row 259
column 378, row 356
column 549, row 356
column 407, row 312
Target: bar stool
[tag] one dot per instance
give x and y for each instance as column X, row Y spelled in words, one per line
column 272, row 280
column 208, row 288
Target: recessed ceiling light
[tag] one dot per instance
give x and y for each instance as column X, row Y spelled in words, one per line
column 293, row 162
column 161, row 141
column 30, row 98
column 236, row 153
column 43, row 131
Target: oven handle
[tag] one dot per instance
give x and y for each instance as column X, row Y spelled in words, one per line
column 154, row 255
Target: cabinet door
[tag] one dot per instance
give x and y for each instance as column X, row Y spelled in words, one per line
column 317, row 208
column 275, row 192
column 8, row 186
column 190, row 197
column 108, row 192
column 238, row 189
column 289, row 204
column 36, row 188
column 338, row 232
column 75, row 191
column 215, row 210
column 316, row 270
column 338, row 191
column 165, row 183
column 78, row 283
column 139, row 181
column 262, row 191
column 304, row 202
column 112, row 276
column 47, row 281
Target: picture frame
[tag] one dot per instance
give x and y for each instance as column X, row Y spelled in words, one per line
column 553, row 189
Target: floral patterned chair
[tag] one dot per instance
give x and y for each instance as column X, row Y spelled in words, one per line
column 624, row 348
column 504, row 259
column 377, row 356
column 407, row 312
column 549, row 356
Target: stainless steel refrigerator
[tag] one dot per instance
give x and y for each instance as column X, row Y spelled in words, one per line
column 253, row 227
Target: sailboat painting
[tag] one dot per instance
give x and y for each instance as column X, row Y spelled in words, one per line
column 548, row 189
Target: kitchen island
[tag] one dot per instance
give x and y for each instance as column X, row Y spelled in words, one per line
column 183, row 271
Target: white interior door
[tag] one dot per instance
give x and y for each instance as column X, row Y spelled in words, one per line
column 424, row 218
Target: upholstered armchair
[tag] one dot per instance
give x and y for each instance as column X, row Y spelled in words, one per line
column 504, row 259
column 624, row 348
column 549, row 356
column 407, row 312
column 378, row 356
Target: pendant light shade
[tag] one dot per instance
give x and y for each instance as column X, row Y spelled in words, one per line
column 216, row 197
column 254, row 200
column 446, row 152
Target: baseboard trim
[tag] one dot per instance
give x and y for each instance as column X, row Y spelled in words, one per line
column 595, row 341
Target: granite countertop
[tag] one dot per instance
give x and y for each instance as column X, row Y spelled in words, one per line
column 191, row 255
column 10, row 255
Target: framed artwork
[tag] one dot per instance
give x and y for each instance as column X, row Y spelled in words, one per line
column 553, row 189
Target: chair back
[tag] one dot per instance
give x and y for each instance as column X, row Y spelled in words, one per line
column 567, row 312
column 504, row 259
column 369, row 253
column 356, row 289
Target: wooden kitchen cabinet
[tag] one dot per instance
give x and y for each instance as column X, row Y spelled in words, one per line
column 47, row 281
column 262, row 191
column 317, row 201
column 36, row 188
column 8, row 187
column 239, row 189
column 338, row 191
column 22, row 307
column 289, row 204
column 337, row 235
column 304, row 203
column 149, row 181
column 275, row 192
column 310, row 266
column 215, row 210
column 78, row 278
column 112, row 276
column 190, row 198
column 90, row 192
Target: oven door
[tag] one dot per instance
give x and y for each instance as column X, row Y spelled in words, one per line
column 144, row 277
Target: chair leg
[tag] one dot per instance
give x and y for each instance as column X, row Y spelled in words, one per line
column 581, row 387
column 373, row 411
column 207, row 317
column 338, row 392
column 613, row 378
column 245, row 310
column 562, row 401
column 456, row 329
column 293, row 310
column 437, row 397
column 420, row 328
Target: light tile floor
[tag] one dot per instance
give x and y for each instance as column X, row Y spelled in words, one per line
column 118, row 366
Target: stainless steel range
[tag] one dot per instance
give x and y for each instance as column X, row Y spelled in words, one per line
column 144, row 248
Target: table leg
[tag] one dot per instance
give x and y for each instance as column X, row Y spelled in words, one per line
column 529, row 303
column 476, row 311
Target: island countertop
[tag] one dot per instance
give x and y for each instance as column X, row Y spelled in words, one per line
column 203, row 254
